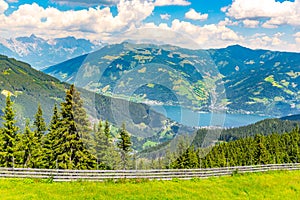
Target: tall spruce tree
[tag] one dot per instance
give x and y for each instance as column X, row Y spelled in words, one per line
column 101, row 146
column 71, row 152
column 107, row 129
column 26, row 147
column 81, row 120
column 8, row 135
column 39, row 131
column 261, row 154
column 51, row 140
column 124, row 144
column 39, row 123
column 107, row 156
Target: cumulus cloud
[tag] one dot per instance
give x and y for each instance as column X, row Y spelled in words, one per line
column 172, row 2
column 276, row 13
column 212, row 34
column 272, row 42
column 91, row 22
column 224, row 9
column 250, row 23
column 86, row 2
column 129, row 24
column 3, row 6
column 189, row 35
column 100, row 23
column 297, row 37
column 192, row 14
column 228, row 22
column 165, row 16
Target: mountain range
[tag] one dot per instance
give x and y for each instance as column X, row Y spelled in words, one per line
column 235, row 79
column 41, row 53
column 29, row 87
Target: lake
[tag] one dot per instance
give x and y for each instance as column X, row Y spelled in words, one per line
column 200, row 119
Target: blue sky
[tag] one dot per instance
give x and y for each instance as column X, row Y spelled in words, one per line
column 267, row 24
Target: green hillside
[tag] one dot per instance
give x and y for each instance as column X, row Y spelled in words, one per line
column 142, row 72
column 234, row 78
column 29, row 87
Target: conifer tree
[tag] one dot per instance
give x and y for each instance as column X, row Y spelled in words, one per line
column 39, row 123
column 107, row 155
column 107, row 130
column 124, row 145
column 261, row 154
column 81, row 120
column 8, row 135
column 71, row 152
column 168, row 158
column 101, row 146
column 27, row 147
column 40, row 128
column 52, row 140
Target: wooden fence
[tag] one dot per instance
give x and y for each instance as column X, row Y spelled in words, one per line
column 165, row 174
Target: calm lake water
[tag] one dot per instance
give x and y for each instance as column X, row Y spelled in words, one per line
column 192, row 118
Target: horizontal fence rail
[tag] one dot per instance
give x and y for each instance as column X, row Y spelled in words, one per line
column 165, row 174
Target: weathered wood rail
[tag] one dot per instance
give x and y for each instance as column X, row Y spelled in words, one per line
column 165, row 174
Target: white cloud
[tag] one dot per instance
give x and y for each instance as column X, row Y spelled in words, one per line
column 268, row 25
column 297, row 37
column 228, row 22
column 181, row 33
column 206, row 36
column 92, row 23
column 3, row 6
column 100, row 23
column 192, row 14
column 86, row 2
column 271, row 42
column 165, row 16
column 250, row 23
column 172, row 2
column 224, row 9
column 276, row 13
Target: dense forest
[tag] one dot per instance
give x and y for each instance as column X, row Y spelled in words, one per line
column 68, row 142
column 259, row 149
column 264, row 127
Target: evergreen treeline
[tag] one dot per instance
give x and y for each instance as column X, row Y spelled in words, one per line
column 68, row 142
column 270, row 149
column 264, row 127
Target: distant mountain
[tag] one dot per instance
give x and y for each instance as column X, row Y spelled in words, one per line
column 28, row 87
column 42, row 53
column 291, row 117
column 260, row 80
column 234, row 78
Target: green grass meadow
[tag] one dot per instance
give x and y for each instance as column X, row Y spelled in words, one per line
column 270, row 185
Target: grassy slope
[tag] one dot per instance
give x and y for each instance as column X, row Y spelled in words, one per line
column 29, row 87
column 271, row 185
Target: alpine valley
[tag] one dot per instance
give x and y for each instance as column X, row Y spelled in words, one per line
column 233, row 79
column 28, row 87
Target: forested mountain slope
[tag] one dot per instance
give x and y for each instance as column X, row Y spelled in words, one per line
column 29, row 87
column 235, row 78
